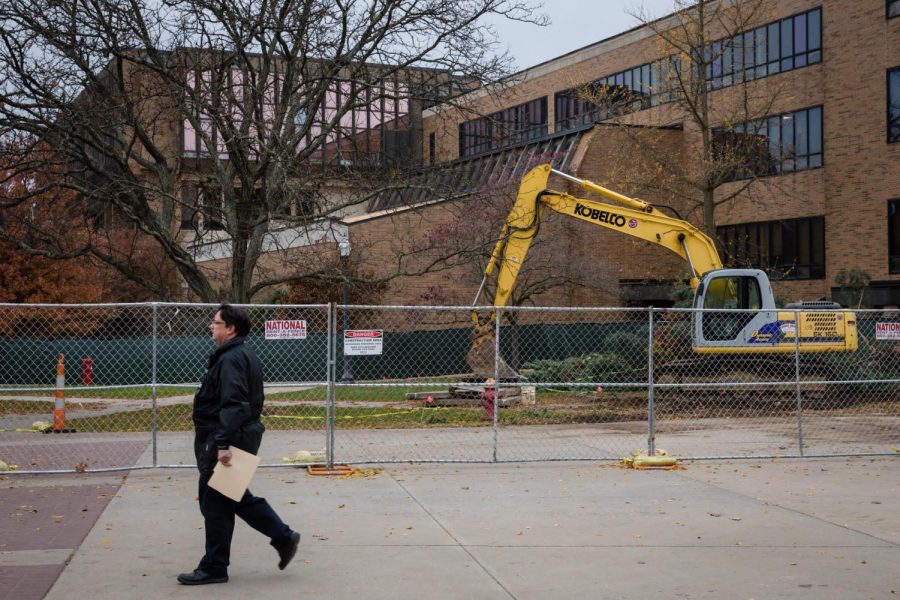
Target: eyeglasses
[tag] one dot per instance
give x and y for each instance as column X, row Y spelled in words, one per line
column 217, row 322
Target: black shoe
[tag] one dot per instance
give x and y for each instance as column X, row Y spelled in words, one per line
column 286, row 553
column 200, row 577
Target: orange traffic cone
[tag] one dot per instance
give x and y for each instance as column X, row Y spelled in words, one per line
column 59, row 412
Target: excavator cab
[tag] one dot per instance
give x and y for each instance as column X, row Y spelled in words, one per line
column 736, row 304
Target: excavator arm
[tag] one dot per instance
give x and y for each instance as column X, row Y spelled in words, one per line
column 630, row 216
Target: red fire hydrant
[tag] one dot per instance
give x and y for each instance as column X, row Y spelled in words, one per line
column 487, row 399
column 87, row 371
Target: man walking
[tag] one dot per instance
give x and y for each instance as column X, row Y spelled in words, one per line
column 227, row 408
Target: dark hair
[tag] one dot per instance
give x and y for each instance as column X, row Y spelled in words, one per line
column 237, row 316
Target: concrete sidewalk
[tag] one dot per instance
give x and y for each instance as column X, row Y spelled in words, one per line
column 788, row 528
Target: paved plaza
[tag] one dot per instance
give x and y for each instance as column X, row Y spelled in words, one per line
column 789, row 528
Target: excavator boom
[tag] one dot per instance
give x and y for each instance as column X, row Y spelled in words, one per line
column 634, row 217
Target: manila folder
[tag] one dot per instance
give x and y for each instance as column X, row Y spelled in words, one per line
column 233, row 481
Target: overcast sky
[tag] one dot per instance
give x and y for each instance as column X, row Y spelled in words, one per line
column 574, row 24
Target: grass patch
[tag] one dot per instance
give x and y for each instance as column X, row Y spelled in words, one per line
column 130, row 393
column 169, row 418
column 26, row 407
column 351, row 394
column 552, row 408
column 294, row 418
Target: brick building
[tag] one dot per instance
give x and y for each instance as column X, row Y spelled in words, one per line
column 805, row 92
column 227, row 144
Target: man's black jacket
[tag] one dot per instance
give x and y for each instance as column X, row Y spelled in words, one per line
column 230, row 399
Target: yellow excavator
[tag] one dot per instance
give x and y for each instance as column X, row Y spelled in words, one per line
column 756, row 325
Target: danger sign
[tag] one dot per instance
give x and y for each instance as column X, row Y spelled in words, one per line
column 294, row 329
column 887, row 331
column 363, row 342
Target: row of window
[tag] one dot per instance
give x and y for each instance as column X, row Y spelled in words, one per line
column 794, row 248
column 784, row 45
column 790, row 43
column 202, row 205
column 788, row 249
column 627, row 91
column 777, row 144
column 527, row 121
column 372, row 108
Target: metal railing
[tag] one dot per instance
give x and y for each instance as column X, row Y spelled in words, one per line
column 402, row 383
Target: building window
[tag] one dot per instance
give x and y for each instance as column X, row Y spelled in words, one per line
column 894, row 235
column 201, row 207
column 784, row 45
column 893, row 85
column 432, row 148
column 893, row 8
column 350, row 122
column 522, row 123
column 771, row 146
column 789, row 249
column 635, row 89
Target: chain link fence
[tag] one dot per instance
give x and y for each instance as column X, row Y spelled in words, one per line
column 380, row 384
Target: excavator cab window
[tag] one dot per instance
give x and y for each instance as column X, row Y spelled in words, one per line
column 740, row 293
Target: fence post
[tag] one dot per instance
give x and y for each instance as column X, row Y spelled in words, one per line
column 330, row 376
column 153, row 390
column 651, row 421
column 497, row 386
column 797, row 380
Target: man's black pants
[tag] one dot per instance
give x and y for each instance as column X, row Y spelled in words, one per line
column 218, row 514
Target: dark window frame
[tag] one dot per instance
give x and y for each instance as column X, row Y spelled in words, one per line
column 892, row 8
column 893, row 223
column 893, row 105
column 811, row 137
column 767, row 55
column 789, row 249
column 513, row 125
column 634, row 89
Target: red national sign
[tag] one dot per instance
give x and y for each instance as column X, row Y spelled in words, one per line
column 289, row 329
column 887, row 331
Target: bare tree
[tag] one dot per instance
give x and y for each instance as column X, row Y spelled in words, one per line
column 463, row 244
column 254, row 103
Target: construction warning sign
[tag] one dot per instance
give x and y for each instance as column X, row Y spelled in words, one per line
column 363, row 342
column 887, row 331
column 292, row 329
